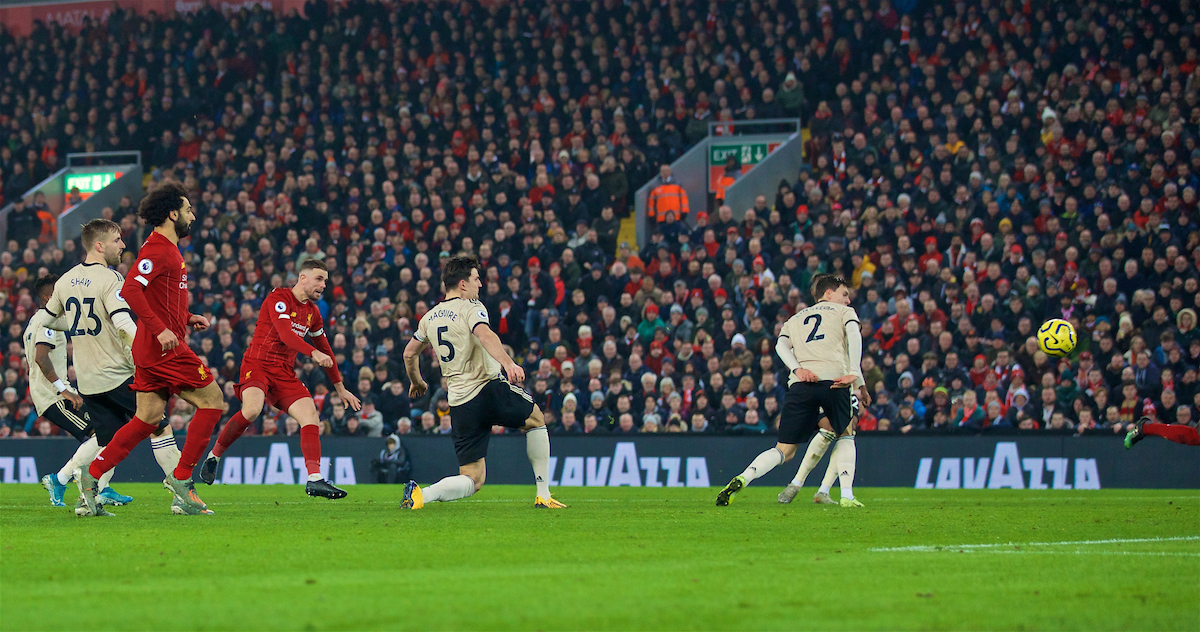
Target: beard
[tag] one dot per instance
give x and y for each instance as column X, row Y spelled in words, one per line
column 182, row 227
column 112, row 258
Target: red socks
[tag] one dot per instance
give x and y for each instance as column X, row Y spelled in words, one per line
column 122, row 442
column 199, row 433
column 310, row 446
column 1179, row 434
column 230, row 433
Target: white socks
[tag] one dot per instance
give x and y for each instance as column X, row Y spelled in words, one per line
column 448, row 489
column 537, row 447
column 313, row 477
column 762, row 464
column 102, row 484
column 82, row 458
column 816, row 450
column 831, row 471
column 847, row 456
column 165, row 452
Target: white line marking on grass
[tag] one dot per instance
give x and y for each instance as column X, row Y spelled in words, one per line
column 1150, row 553
column 935, row 548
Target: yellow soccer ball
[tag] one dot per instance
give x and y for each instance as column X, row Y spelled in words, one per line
column 1056, row 337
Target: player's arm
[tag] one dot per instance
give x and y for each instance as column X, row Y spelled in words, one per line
column 46, row 319
column 412, row 364
column 42, row 359
column 783, row 347
column 321, row 344
column 854, row 349
column 283, row 326
column 491, row 343
column 118, row 311
column 134, row 292
column 477, row 321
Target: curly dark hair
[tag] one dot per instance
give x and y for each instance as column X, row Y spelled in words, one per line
column 156, row 207
column 42, row 282
column 458, row 268
column 822, row 283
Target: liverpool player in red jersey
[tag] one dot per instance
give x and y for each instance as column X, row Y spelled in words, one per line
column 269, row 373
column 156, row 290
column 1178, row 433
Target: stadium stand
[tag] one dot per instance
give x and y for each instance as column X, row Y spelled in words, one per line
column 973, row 168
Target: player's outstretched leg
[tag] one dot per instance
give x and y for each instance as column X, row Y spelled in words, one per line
column 253, row 400
column 446, row 490
column 1185, row 435
column 1135, row 434
column 816, row 449
column 230, row 433
column 763, row 463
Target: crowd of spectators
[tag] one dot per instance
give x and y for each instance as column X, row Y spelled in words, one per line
column 973, row 169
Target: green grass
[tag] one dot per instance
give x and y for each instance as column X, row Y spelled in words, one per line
column 272, row 558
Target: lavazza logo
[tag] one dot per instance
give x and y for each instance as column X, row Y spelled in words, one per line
column 625, row 467
column 1006, row 468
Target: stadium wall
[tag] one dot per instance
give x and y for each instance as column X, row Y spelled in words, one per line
column 1058, row 462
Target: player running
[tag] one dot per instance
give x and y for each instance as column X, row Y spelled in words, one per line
column 471, row 358
column 87, row 304
column 816, row 449
column 157, row 294
column 269, row 374
column 822, row 369
column 1178, row 433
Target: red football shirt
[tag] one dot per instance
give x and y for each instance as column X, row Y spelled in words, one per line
column 156, row 290
column 279, row 314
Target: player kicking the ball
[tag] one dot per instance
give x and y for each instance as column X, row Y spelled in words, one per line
column 474, row 364
column 1177, row 433
column 157, row 293
column 822, row 347
column 269, row 374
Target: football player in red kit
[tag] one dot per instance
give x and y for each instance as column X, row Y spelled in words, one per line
column 269, row 373
column 156, row 290
column 1179, row 433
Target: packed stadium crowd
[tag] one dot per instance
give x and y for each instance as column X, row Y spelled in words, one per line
column 972, row 169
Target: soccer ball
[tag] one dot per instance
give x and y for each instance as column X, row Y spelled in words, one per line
column 1056, row 337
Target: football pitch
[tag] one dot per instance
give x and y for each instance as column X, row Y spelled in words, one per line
column 618, row 558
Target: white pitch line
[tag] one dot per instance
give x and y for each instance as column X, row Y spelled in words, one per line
column 957, row 547
column 1148, row 553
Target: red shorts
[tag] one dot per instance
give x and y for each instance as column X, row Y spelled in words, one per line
column 183, row 372
column 280, row 387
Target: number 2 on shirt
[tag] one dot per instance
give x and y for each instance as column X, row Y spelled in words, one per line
column 813, row 334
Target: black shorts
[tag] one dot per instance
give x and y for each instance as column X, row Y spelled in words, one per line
column 804, row 406
column 63, row 415
column 110, row 410
column 498, row 403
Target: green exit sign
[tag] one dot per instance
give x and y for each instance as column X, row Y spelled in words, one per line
column 88, row 183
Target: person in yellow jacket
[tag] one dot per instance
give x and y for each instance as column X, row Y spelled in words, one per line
column 667, row 196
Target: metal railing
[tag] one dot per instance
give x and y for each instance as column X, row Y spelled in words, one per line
column 103, row 155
